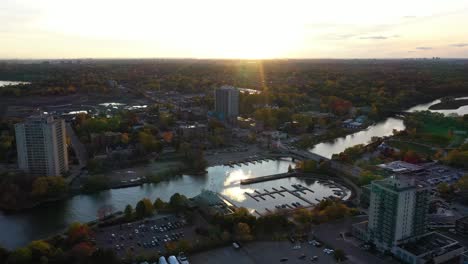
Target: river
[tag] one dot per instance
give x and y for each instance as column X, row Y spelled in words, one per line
column 20, row 228
column 381, row 129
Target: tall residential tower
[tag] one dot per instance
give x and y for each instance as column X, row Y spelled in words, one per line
column 41, row 146
column 398, row 210
column 227, row 102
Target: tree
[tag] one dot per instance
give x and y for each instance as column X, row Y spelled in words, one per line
column 243, row 232
column 40, row 186
column 144, row 208
column 82, row 250
column 339, row 255
column 444, row 189
column 411, row 157
column 178, row 201
column 303, row 216
column 307, row 166
column 40, row 248
column 159, row 204
column 78, row 232
column 462, row 185
column 149, row 142
column 128, row 212
column 367, row 177
column 20, row 256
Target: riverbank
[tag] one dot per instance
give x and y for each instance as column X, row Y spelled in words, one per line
column 220, row 157
column 449, row 105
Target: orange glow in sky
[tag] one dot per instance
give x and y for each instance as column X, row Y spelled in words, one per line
column 233, row 29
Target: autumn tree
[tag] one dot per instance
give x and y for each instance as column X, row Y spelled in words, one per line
column 243, row 232
column 144, row 208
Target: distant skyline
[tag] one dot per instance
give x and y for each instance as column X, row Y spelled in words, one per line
column 248, row 29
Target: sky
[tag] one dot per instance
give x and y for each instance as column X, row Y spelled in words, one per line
column 250, row 29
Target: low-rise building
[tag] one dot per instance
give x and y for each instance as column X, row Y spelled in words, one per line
column 212, row 203
column 429, row 248
column 461, row 226
column 400, row 167
column 193, row 130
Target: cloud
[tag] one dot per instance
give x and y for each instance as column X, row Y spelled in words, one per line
column 374, row 37
column 460, row 45
column 379, row 37
column 424, row 48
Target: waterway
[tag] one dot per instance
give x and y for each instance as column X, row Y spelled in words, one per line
column 381, row 129
column 20, row 228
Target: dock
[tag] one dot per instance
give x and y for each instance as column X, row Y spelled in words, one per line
column 268, row 178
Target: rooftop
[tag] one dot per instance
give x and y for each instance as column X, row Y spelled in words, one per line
column 399, row 183
column 434, row 243
column 400, row 166
column 463, row 220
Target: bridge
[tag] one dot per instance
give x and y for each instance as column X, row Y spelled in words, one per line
column 337, row 166
column 297, row 154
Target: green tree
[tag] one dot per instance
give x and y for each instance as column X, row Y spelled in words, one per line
column 367, row 177
column 128, row 212
column 159, row 204
column 144, row 208
column 178, row 201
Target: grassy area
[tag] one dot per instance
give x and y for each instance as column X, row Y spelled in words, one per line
column 423, row 150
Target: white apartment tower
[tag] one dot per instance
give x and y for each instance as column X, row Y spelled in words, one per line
column 227, row 102
column 41, row 146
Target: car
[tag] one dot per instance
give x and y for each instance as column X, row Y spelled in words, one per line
column 235, row 245
column 303, row 256
column 314, row 258
column 284, row 259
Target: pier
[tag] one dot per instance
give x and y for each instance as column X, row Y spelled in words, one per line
column 268, row 178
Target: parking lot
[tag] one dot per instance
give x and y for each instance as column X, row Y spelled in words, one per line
column 144, row 237
column 265, row 252
column 332, row 234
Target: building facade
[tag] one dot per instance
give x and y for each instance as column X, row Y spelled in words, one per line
column 398, row 210
column 41, row 146
column 461, row 226
column 227, row 102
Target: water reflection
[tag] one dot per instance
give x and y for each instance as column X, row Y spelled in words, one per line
column 385, row 128
column 423, row 107
column 327, row 149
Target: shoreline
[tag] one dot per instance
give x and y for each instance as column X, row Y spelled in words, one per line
column 449, row 105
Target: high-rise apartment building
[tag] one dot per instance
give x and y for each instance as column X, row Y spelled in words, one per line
column 227, row 102
column 398, row 210
column 41, row 146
